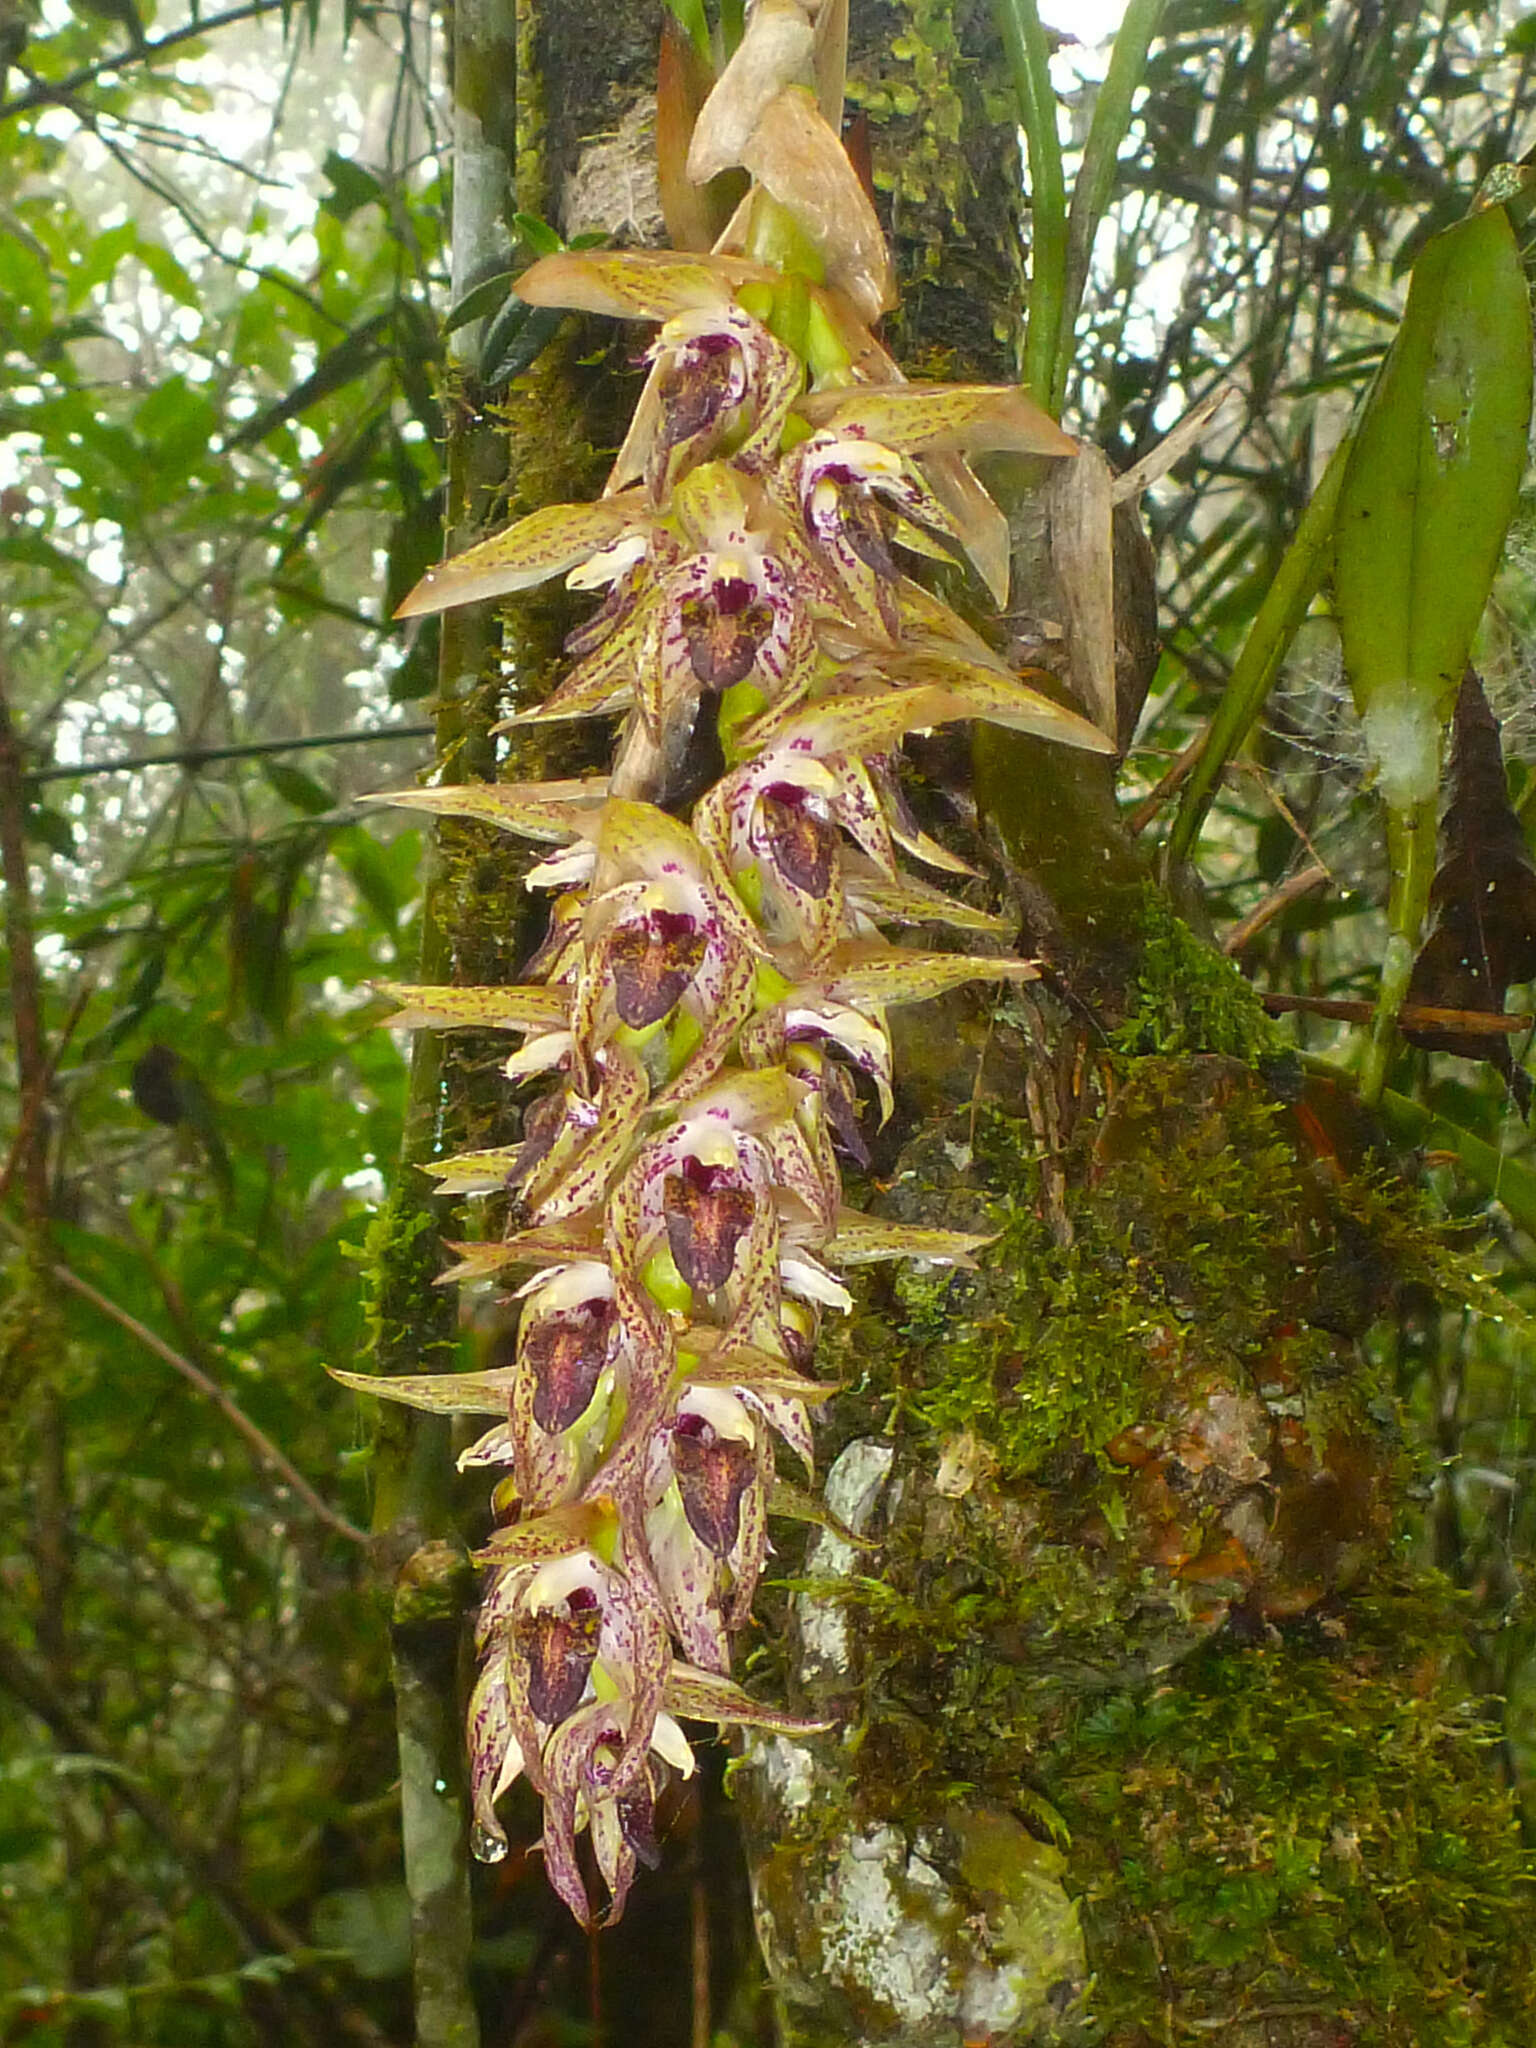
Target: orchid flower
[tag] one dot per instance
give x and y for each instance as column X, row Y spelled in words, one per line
column 708, row 1008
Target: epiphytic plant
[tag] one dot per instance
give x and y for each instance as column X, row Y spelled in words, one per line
column 710, row 991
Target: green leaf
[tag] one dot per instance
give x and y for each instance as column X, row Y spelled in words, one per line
column 368, row 870
column 352, row 186
column 52, row 829
column 1431, row 485
column 480, row 300
column 690, row 18
column 541, row 238
column 516, row 339
column 295, row 787
column 350, row 359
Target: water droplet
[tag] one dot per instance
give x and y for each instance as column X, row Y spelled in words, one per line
column 487, row 1848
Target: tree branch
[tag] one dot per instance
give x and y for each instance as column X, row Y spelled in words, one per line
column 58, row 91
column 266, row 1451
column 258, row 1930
column 26, row 988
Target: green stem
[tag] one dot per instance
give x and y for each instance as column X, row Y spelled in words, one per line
column 1301, row 571
column 1095, row 180
column 1018, row 23
column 1411, row 838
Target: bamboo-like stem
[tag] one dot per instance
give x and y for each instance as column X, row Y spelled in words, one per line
column 1018, row 23
column 1411, row 847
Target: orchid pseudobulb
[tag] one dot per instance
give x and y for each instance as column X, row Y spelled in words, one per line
column 711, row 989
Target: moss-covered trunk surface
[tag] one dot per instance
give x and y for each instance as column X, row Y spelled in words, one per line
column 1152, row 1730
column 1148, row 1728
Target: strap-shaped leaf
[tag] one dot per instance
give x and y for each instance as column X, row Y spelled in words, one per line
column 551, row 811
column 1428, row 494
column 440, row 1393
column 553, row 539
column 485, row 1009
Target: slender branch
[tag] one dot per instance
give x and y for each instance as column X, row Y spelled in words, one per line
column 257, row 1929
column 266, row 1451
column 195, row 757
column 1412, row 1016
column 52, row 92
column 26, row 987
column 1302, row 883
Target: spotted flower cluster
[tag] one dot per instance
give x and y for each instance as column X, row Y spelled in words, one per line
column 705, row 1023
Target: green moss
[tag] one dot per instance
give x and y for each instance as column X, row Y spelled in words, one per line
column 1183, row 1254
column 1316, row 1834
column 926, row 72
column 1186, row 996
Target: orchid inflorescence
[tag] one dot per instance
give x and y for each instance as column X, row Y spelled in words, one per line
column 711, row 994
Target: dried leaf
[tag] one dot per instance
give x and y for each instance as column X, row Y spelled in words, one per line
column 776, row 51
column 1484, row 893
column 1082, row 554
column 802, row 164
column 683, row 83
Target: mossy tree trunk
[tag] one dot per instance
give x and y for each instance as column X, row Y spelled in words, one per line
column 1149, row 1732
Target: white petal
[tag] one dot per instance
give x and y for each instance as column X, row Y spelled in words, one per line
column 805, row 1277
column 554, row 1582
column 539, row 1054
column 669, row 1741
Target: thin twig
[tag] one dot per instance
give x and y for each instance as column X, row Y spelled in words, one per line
column 1302, row 883
column 1411, row 1017
column 26, row 987
column 1140, row 818
column 195, row 757
column 53, row 92
column 266, row 1451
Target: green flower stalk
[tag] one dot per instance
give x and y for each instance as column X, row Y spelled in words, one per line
column 712, row 991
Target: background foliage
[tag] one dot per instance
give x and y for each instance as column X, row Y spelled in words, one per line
column 222, row 281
